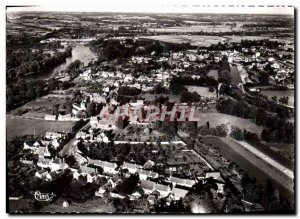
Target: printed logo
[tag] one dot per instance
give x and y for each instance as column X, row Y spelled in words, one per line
column 43, row 196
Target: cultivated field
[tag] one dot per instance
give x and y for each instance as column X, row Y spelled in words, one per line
column 21, row 126
column 205, row 41
column 239, row 38
column 193, row 40
column 196, row 28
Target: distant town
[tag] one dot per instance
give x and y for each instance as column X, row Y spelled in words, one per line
column 149, row 113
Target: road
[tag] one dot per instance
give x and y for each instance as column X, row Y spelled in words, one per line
column 268, row 159
column 70, row 148
column 254, row 164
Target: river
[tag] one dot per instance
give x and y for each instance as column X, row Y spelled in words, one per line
column 80, row 52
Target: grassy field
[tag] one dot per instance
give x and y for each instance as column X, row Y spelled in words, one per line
column 202, row 91
column 172, row 97
column 21, row 126
column 94, row 205
column 38, row 108
column 215, row 119
column 197, row 40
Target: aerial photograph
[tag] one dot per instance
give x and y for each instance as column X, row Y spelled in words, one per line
column 150, row 113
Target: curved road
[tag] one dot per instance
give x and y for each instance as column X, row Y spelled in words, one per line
column 70, row 147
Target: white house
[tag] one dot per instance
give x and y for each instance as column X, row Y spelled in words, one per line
column 86, row 75
column 145, row 174
column 108, row 167
column 147, row 186
column 43, row 174
column 178, row 193
column 31, row 145
column 179, row 181
column 57, row 164
column 43, row 162
column 132, row 168
column 53, row 135
column 163, row 190
column 218, row 178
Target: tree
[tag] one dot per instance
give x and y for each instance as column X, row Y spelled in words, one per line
column 188, row 97
column 236, row 133
column 91, row 109
column 128, row 185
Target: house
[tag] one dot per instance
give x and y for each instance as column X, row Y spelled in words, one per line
column 43, row 174
column 31, row 145
column 80, row 159
column 86, row 75
column 76, row 108
column 103, row 137
column 132, row 168
column 152, row 199
column 162, row 189
column 113, row 102
column 218, row 178
column 181, row 182
column 53, row 135
column 43, row 152
column 83, row 135
column 178, row 194
column 138, row 103
column 102, row 123
column 138, row 192
column 108, row 167
column 148, row 165
column 50, row 117
column 101, row 192
column 115, row 180
column 28, row 162
column 88, row 170
column 55, row 143
column 97, row 98
column 147, row 186
column 145, row 174
column 43, row 162
column 57, row 164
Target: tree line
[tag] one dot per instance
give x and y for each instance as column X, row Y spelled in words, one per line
column 280, row 129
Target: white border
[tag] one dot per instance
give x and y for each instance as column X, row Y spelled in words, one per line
column 115, row 5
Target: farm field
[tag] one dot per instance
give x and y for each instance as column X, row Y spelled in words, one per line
column 201, row 40
column 239, row 38
column 196, row 28
column 21, row 126
column 204, row 41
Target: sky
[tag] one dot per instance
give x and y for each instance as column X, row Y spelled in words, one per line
column 149, row 7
